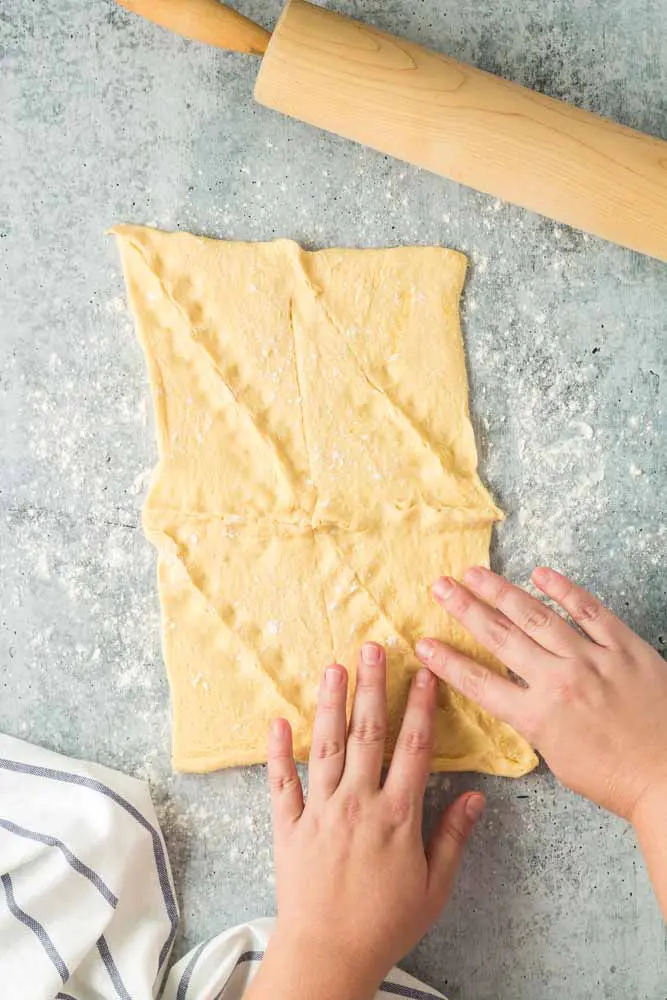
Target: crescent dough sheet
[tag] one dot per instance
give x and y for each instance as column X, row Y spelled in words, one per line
column 317, row 472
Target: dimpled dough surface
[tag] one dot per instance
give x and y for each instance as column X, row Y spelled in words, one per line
column 317, row 472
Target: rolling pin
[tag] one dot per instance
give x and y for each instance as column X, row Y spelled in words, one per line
column 466, row 124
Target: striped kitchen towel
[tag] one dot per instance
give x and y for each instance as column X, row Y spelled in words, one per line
column 87, row 902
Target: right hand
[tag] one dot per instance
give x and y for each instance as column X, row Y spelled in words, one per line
column 356, row 887
column 594, row 705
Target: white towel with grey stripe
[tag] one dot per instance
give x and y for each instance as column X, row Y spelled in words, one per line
column 87, row 903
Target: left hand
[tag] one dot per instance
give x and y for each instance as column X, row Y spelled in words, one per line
column 356, row 887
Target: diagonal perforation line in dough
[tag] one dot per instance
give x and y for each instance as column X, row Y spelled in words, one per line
column 476, row 718
column 258, row 663
column 277, row 452
column 374, row 601
column 302, row 414
column 404, row 417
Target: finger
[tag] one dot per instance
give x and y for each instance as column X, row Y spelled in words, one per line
column 327, row 753
column 286, row 791
column 498, row 695
column 447, row 845
column 493, row 629
column 542, row 624
column 411, row 763
column 583, row 608
column 368, row 724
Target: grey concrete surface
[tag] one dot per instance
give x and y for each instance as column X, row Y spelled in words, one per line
column 104, row 118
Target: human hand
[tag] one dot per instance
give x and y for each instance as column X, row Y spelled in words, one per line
column 356, row 888
column 594, row 705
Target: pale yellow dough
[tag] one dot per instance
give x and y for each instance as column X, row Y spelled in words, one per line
column 317, row 472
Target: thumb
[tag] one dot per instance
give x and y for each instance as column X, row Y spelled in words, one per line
column 448, row 843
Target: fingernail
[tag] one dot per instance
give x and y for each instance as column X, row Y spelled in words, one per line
column 443, row 588
column 425, row 649
column 474, row 576
column 371, row 654
column 475, row 807
column 423, row 677
column 278, row 728
column 333, row 678
column 541, row 573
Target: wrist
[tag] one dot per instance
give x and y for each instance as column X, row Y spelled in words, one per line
column 649, row 814
column 314, row 967
column 649, row 819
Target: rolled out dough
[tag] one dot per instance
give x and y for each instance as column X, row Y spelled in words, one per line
column 317, row 472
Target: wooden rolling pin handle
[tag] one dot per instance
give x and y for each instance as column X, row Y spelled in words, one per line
column 204, row 21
